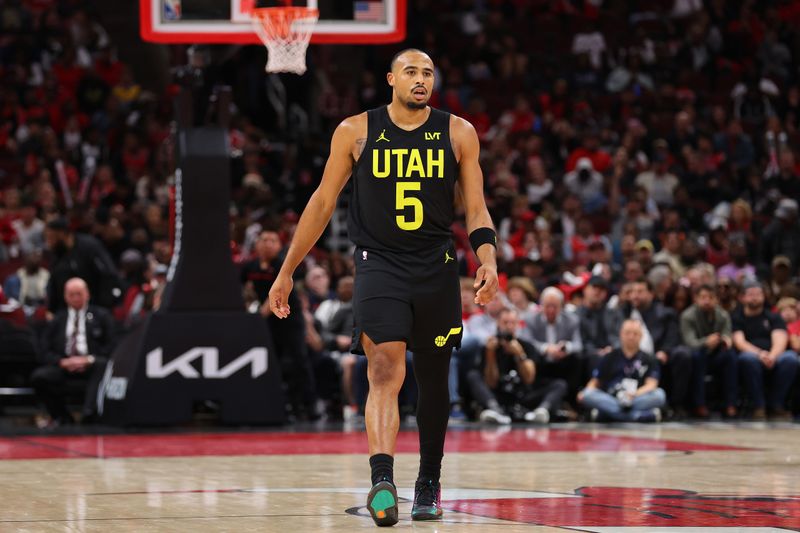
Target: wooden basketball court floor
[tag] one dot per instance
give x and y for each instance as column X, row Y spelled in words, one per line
column 675, row 477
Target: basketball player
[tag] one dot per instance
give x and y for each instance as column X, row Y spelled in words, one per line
column 406, row 160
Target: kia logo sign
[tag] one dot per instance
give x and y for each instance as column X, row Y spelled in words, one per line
column 156, row 369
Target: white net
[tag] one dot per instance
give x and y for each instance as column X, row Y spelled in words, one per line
column 286, row 32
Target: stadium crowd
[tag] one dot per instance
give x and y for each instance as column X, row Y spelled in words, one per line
column 640, row 163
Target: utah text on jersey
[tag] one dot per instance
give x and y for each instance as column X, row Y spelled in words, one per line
column 408, row 163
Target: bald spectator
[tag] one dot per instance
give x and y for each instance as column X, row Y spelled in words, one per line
column 624, row 387
column 74, row 349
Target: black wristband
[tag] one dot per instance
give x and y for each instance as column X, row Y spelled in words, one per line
column 482, row 236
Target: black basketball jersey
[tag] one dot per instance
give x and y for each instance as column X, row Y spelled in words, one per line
column 403, row 185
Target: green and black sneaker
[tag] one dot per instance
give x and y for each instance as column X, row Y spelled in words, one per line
column 382, row 503
column 427, row 501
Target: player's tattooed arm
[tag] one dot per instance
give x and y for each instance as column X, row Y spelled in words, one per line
column 360, row 145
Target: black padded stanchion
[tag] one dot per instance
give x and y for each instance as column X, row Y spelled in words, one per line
column 201, row 344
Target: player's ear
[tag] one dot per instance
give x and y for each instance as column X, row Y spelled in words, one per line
column 390, row 78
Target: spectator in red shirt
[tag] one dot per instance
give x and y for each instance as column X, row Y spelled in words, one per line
column 590, row 147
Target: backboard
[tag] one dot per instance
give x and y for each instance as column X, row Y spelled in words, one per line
column 228, row 21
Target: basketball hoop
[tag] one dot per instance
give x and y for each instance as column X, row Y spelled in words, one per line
column 286, row 32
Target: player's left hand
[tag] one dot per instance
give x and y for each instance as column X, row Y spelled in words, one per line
column 486, row 283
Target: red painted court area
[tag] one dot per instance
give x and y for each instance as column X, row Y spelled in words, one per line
column 230, row 444
column 640, row 507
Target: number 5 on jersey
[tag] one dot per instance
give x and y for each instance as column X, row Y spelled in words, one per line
column 402, row 201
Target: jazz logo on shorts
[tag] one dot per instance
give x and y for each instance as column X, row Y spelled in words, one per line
column 441, row 341
column 447, row 257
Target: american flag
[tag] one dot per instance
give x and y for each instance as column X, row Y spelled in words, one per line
column 368, row 11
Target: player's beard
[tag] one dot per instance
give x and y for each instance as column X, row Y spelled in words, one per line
column 413, row 104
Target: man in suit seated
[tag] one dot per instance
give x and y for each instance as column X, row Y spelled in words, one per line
column 555, row 333
column 75, row 348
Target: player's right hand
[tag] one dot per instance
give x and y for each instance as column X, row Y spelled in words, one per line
column 279, row 296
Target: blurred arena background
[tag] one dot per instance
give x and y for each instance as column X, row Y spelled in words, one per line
column 635, row 155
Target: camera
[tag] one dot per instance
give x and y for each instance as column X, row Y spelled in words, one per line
column 584, row 175
column 505, row 336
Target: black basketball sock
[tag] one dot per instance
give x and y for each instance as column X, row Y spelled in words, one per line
column 382, row 466
column 433, row 409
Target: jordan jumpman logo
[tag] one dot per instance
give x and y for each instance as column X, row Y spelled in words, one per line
column 382, row 137
column 447, row 257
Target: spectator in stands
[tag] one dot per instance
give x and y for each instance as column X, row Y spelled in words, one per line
column 780, row 279
column 701, row 274
column 625, row 385
column 328, row 308
column 789, row 310
column 327, row 371
column 507, row 381
column 598, row 325
column 662, row 280
column 318, row 286
column 782, row 235
column 728, row 294
column 74, row 347
column 739, row 268
column 28, row 285
column 522, row 295
column 29, row 230
column 289, row 334
column 661, row 337
column 706, row 330
column 556, row 335
column 590, row 148
column 478, row 328
column 645, row 252
column 762, row 342
column 336, row 335
column 633, row 271
column 629, row 77
column 77, row 255
column 670, row 253
column 658, row 181
column 736, row 146
column 587, row 184
column 717, row 251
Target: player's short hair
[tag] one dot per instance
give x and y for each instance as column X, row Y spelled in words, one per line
column 404, row 51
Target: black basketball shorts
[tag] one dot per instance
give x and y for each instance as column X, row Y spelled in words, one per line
column 412, row 297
